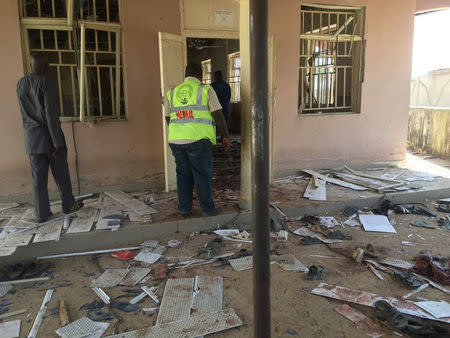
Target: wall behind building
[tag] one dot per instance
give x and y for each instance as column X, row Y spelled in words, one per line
column 431, row 90
column 379, row 132
column 120, row 153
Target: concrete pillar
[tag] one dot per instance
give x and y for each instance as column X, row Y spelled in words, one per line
column 246, row 136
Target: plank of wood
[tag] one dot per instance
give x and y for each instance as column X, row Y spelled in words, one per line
column 318, row 193
column 356, row 173
column 335, row 181
column 63, row 314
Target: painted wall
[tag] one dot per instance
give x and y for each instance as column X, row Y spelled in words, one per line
column 109, row 153
column 431, row 90
column 379, row 132
column 429, row 5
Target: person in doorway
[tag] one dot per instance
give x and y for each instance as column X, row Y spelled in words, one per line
column 44, row 139
column 223, row 91
column 193, row 111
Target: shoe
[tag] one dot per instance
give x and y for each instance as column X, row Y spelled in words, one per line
column 76, row 206
column 214, row 212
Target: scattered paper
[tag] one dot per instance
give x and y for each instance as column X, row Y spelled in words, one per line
column 231, row 234
column 80, row 225
column 49, row 232
column 314, row 193
column 328, row 222
column 305, row 232
column 149, row 255
column 376, row 223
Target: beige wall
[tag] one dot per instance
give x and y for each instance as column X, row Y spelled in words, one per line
column 109, row 153
column 379, row 133
column 429, row 5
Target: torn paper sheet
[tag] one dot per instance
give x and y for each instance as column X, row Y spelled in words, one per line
column 305, row 232
column 242, row 264
column 369, row 299
column 16, row 238
column 314, row 193
column 376, row 223
column 437, row 309
column 397, row 263
column 49, row 232
column 196, row 326
column 149, row 255
column 110, row 278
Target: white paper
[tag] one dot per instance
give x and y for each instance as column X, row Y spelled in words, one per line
column 376, row 223
column 328, row 222
column 10, row 329
column 437, row 309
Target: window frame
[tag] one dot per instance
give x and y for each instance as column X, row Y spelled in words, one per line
column 207, row 71
column 231, row 77
column 336, row 34
column 68, row 24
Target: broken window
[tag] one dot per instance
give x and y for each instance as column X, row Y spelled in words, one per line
column 82, row 41
column 234, row 76
column 331, row 59
column 206, row 71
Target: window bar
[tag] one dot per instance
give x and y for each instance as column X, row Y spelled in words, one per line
column 39, row 8
column 311, row 81
column 351, row 43
column 61, row 107
column 99, row 91
column 118, row 71
column 53, row 9
column 41, row 33
column 336, row 87
column 74, row 95
column 69, row 11
column 320, row 23
column 329, row 23
column 107, row 11
column 345, row 84
column 82, row 71
column 113, row 100
column 94, row 9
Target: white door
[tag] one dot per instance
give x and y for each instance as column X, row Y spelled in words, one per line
column 172, row 56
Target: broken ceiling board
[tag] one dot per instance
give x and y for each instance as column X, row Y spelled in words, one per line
column 149, row 255
column 17, row 238
column 289, row 263
column 196, row 326
column 177, row 300
column 109, row 278
column 369, row 299
column 82, row 327
column 7, row 250
column 80, row 225
column 10, row 329
column 361, row 321
column 6, row 206
column 108, row 224
column 305, row 232
column 242, row 264
column 437, row 309
column 131, row 203
column 397, row 263
column 4, row 289
column 335, row 181
column 208, row 296
column 49, row 232
column 376, row 223
column 16, row 223
column 134, row 276
column 314, row 193
column 365, row 182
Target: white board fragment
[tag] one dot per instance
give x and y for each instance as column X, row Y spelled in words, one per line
column 109, row 278
column 177, row 300
column 80, row 225
column 437, row 309
column 314, row 193
column 376, row 223
column 10, row 329
column 49, row 232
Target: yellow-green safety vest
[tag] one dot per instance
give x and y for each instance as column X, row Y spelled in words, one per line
column 190, row 117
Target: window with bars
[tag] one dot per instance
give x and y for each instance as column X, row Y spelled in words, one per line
column 206, row 71
column 82, row 41
column 331, row 59
column 234, row 76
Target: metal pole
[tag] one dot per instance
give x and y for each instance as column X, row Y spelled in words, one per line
column 260, row 166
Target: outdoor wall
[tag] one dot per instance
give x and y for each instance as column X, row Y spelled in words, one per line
column 379, row 132
column 125, row 153
column 429, row 5
column 429, row 131
column 431, row 90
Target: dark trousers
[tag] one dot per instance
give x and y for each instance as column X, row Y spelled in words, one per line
column 194, row 163
column 39, row 173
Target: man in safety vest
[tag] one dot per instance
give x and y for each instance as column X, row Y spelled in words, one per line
column 193, row 112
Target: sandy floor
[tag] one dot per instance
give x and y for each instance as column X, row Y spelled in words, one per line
column 293, row 307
